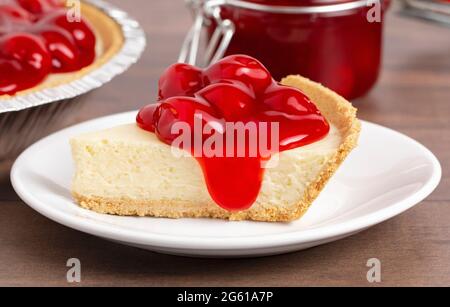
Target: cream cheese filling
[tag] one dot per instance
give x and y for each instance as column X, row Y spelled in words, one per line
column 126, row 162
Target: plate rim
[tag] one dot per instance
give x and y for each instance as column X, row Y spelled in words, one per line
column 212, row 243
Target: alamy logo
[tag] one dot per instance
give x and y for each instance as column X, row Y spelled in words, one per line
column 374, row 273
column 211, row 138
column 374, row 13
column 74, row 273
column 74, row 11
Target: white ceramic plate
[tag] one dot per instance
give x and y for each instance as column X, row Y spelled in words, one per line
column 387, row 174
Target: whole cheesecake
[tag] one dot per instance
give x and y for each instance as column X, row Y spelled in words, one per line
column 38, row 28
column 137, row 170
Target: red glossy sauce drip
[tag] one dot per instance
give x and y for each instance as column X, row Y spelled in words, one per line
column 36, row 39
column 236, row 89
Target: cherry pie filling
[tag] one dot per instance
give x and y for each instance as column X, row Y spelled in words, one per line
column 237, row 90
column 37, row 38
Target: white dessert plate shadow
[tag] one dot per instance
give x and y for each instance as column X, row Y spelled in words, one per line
column 387, row 174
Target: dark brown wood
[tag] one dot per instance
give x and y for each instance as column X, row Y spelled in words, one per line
column 412, row 96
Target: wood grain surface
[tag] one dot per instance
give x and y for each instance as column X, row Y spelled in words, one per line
column 412, row 96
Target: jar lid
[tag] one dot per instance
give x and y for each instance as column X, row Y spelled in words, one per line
column 291, row 6
column 299, row 2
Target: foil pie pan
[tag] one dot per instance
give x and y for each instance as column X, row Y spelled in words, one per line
column 26, row 118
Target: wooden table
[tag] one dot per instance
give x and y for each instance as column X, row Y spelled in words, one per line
column 412, row 96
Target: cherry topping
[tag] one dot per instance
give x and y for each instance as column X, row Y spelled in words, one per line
column 180, row 80
column 242, row 68
column 81, row 33
column 64, row 52
column 15, row 12
column 238, row 90
column 184, row 110
column 289, row 100
column 145, row 116
column 39, row 7
column 67, row 46
column 233, row 183
column 234, row 102
column 21, row 55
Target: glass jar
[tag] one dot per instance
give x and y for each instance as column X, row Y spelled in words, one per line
column 329, row 41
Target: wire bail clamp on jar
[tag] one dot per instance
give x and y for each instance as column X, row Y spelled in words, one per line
column 204, row 12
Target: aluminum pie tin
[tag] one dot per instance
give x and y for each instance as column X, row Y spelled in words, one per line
column 27, row 117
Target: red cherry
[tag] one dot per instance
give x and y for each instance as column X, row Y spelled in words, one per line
column 26, row 48
column 288, row 100
column 14, row 19
column 233, row 102
column 81, row 32
column 180, row 80
column 9, row 77
column 40, row 6
column 242, row 68
column 25, row 62
column 15, row 12
column 288, row 107
column 64, row 52
column 182, row 110
column 145, row 117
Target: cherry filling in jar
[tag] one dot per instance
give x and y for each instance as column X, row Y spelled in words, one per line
column 329, row 41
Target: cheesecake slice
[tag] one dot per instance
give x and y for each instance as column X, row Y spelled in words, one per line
column 128, row 171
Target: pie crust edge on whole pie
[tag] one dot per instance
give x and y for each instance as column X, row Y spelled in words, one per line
column 339, row 112
column 109, row 41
